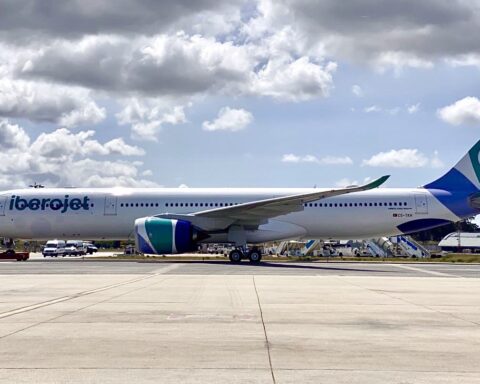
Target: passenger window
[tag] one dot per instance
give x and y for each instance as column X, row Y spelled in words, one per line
column 375, row 204
column 330, row 204
column 395, row 204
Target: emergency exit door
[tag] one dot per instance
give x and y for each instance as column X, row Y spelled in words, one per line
column 421, row 203
column 110, row 205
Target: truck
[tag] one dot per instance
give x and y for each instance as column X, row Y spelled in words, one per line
column 10, row 254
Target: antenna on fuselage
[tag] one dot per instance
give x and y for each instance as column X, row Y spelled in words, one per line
column 36, row 185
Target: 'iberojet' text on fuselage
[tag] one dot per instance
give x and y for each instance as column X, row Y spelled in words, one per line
column 55, row 204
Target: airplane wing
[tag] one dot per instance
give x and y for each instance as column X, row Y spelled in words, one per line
column 258, row 212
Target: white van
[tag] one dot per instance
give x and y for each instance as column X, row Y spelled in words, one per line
column 54, row 248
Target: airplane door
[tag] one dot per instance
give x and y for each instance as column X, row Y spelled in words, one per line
column 421, row 203
column 3, row 204
column 110, row 205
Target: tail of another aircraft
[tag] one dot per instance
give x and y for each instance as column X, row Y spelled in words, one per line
column 459, row 188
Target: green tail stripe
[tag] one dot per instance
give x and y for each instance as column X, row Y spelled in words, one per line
column 473, row 153
column 160, row 234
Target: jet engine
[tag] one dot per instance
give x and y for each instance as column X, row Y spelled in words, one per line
column 154, row 235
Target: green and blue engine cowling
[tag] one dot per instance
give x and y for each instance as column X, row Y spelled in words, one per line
column 157, row 236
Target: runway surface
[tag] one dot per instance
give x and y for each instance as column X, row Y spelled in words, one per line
column 90, row 266
column 148, row 322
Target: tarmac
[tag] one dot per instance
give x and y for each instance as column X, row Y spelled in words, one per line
column 193, row 322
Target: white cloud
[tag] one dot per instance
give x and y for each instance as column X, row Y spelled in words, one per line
column 119, row 147
column 291, row 158
column 377, row 109
column 407, row 35
column 467, row 60
column 229, row 119
column 89, row 113
column 183, row 65
column 414, row 108
column 372, row 108
column 177, row 64
column 357, row 90
column 293, row 80
column 42, row 102
column 399, row 60
column 147, row 116
column 62, row 158
column 63, row 144
column 327, row 160
column 403, row 158
column 12, row 137
column 464, row 111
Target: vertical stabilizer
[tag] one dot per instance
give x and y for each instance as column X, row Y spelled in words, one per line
column 464, row 176
column 459, row 188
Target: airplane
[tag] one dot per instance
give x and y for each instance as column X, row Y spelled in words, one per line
column 177, row 220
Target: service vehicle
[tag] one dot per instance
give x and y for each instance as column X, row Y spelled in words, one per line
column 54, row 248
column 11, row 255
column 90, row 248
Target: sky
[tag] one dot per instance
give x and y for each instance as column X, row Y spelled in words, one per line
column 201, row 93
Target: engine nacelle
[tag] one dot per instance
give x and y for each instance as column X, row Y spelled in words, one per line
column 154, row 235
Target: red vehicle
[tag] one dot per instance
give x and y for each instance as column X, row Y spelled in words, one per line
column 12, row 255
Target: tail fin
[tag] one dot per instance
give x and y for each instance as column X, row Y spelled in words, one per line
column 464, row 176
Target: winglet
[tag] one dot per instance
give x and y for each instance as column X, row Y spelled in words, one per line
column 376, row 183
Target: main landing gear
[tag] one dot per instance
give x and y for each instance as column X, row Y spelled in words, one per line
column 254, row 255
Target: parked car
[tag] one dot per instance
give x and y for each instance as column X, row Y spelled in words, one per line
column 75, row 248
column 54, row 248
column 89, row 248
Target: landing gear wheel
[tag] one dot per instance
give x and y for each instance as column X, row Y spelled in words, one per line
column 254, row 256
column 235, row 256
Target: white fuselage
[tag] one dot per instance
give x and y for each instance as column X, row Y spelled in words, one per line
column 96, row 214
